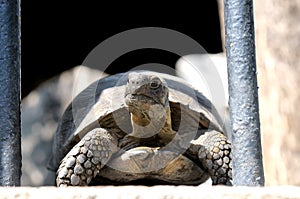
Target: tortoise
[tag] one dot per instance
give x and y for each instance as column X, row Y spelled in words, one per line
column 140, row 127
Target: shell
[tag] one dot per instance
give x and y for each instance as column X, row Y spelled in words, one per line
column 102, row 105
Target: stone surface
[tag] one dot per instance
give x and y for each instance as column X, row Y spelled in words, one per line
column 157, row 192
column 278, row 46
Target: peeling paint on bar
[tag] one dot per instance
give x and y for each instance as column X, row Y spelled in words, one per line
column 243, row 94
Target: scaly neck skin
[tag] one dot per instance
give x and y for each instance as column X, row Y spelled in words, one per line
column 159, row 125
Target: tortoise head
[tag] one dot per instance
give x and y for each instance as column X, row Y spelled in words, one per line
column 146, row 89
column 146, row 98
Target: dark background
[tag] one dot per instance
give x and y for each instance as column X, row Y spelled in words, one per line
column 58, row 35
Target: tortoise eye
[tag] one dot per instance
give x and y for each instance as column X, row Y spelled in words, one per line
column 155, row 83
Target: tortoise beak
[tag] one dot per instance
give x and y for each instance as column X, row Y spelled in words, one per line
column 146, row 97
column 133, row 106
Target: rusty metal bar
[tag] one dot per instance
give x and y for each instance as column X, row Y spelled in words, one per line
column 10, row 130
column 243, row 100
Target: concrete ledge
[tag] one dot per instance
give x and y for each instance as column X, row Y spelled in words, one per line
column 156, row 192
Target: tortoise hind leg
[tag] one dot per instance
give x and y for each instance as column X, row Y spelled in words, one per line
column 86, row 158
column 214, row 152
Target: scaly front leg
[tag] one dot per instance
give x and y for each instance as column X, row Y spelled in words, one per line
column 214, row 152
column 86, row 158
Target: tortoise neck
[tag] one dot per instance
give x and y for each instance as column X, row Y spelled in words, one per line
column 143, row 128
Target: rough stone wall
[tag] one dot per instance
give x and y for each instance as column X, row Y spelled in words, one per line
column 278, row 50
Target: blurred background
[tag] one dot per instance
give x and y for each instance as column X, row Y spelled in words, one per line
column 58, row 35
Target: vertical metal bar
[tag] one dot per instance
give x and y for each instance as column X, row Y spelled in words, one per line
column 10, row 131
column 243, row 101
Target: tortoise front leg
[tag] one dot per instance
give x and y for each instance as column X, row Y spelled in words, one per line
column 214, row 152
column 86, row 158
